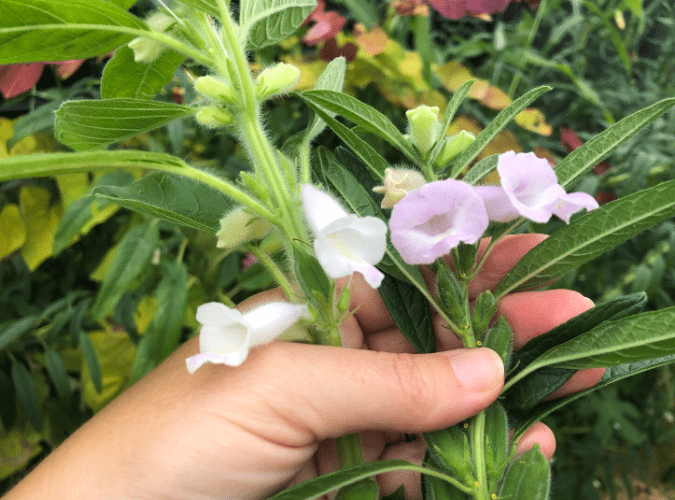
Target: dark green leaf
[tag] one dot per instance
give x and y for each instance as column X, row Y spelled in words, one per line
column 496, row 125
column 61, row 30
column 449, row 451
column 184, row 201
column 399, row 494
column 25, row 391
column 7, row 401
column 499, row 338
column 124, row 77
column 528, row 477
column 410, row 311
column 57, row 373
column 497, row 443
column 365, row 489
column 311, row 276
column 589, row 236
column 84, row 125
column 530, row 391
column 11, row 332
column 133, row 253
column 91, row 358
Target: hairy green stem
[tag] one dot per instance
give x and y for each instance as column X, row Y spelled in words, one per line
column 273, row 269
column 477, row 430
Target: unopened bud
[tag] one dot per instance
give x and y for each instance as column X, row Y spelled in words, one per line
column 146, row 50
column 398, row 182
column 276, row 79
column 213, row 117
column 424, row 127
column 215, row 89
column 239, row 226
column 452, row 147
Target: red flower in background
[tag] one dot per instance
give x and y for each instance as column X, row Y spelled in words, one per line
column 456, row 9
column 327, row 24
column 15, row 79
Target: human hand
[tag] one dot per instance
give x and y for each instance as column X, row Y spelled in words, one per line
column 246, row 432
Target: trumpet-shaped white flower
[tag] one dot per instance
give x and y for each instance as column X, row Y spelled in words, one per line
column 344, row 243
column 227, row 335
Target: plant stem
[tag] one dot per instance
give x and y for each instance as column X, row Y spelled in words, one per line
column 274, row 270
column 530, row 38
column 477, row 429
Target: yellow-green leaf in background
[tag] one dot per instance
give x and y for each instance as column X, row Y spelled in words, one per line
column 17, row 447
column 533, row 120
column 41, row 221
column 12, row 230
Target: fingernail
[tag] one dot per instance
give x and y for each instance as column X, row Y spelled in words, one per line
column 478, row 370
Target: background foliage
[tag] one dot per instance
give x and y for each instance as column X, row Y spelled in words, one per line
column 83, row 282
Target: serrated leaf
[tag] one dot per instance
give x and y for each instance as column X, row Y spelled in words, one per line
column 91, row 358
column 133, row 253
column 332, row 78
column 367, row 117
column 589, row 236
column 410, row 311
column 496, row 125
column 266, row 22
column 169, row 197
column 584, row 158
column 57, row 373
column 61, row 30
column 84, row 125
column 25, row 391
column 124, row 77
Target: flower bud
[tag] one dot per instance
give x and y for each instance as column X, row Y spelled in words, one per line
column 398, row 182
column 453, row 146
column 276, row 79
column 213, row 117
column 216, row 89
column 424, row 127
column 239, row 226
column 146, row 50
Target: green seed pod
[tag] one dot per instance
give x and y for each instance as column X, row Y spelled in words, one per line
column 452, row 147
column 424, row 127
column 216, row 89
column 528, row 477
column 213, row 117
column 500, row 339
column 452, row 295
column 449, row 450
column 483, row 311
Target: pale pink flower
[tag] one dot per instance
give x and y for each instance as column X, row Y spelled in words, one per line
column 529, row 187
column 432, row 220
column 227, row 335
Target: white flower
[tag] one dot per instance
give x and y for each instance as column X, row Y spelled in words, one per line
column 227, row 335
column 344, row 243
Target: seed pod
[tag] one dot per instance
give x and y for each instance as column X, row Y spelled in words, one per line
column 213, row 117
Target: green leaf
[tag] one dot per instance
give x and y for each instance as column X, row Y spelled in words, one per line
column 7, row 401
column 163, row 334
column 589, row 236
column 184, row 201
column 367, row 117
column 399, row 494
column 363, row 11
column 57, row 372
column 311, row 276
column 39, row 120
column 497, row 443
column 612, row 374
column 84, row 125
column 61, row 30
column 322, row 485
column 500, row 121
column 332, row 78
column 91, row 358
column 133, row 253
column 25, row 391
column 365, row 489
column 266, row 22
column 481, row 169
column 581, row 160
column 528, row 477
column 12, row 332
column 208, row 6
column 449, row 450
column 450, row 110
column 124, row 77
column 410, row 311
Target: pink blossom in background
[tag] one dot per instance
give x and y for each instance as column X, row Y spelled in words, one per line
column 15, row 79
column 456, row 9
column 327, row 24
column 529, row 187
column 433, row 219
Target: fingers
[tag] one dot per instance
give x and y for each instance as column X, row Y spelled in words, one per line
column 318, row 392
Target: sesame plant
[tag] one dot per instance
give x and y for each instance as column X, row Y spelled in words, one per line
column 348, row 211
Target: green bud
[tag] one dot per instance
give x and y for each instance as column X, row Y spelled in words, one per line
column 499, row 338
column 484, row 308
column 343, row 301
column 452, row 147
column 213, row 117
column 215, row 89
column 239, row 226
column 449, row 451
column 277, row 79
column 452, row 295
column 424, row 127
column 147, row 50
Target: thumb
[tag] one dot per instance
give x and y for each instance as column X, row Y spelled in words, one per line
column 326, row 392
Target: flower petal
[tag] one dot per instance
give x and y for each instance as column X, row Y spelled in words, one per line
column 234, row 359
column 571, row 203
column 270, row 320
column 497, row 203
column 320, row 208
